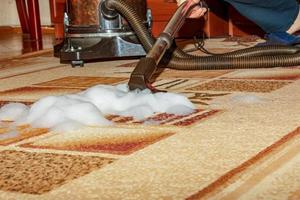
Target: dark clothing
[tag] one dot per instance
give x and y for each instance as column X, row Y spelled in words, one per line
column 270, row 15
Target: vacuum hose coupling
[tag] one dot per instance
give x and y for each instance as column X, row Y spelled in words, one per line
column 107, row 12
column 109, row 18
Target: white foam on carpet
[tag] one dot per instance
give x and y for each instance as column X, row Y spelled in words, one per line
column 89, row 107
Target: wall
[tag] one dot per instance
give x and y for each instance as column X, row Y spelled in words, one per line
column 9, row 15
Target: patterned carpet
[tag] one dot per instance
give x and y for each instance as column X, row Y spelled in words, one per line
column 242, row 142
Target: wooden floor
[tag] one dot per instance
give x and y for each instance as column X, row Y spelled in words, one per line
column 14, row 43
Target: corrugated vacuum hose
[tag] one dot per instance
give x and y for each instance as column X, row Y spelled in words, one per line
column 254, row 57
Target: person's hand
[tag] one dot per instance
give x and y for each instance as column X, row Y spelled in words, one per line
column 198, row 11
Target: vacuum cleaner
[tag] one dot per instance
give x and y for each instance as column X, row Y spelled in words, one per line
column 94, row 31
column 163, row 52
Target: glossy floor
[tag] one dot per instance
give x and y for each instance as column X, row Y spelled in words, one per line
column 14, row 43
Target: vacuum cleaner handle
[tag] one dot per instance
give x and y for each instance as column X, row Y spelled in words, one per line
column 141, row 75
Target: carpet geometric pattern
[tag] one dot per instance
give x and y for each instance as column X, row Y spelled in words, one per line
column 37, row 173
column 242, row 142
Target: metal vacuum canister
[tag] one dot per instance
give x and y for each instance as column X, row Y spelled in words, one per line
column 91, row 34
column 83, row 12
column 86, row 13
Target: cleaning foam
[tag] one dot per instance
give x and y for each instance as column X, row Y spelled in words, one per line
column 13, row 111
column 89, row 107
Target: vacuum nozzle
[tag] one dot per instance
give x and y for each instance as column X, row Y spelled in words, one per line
column 140, row 76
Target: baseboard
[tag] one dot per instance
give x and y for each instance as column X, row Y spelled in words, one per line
column 17, row 29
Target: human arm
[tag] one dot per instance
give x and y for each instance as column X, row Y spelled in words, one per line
column 198, row 11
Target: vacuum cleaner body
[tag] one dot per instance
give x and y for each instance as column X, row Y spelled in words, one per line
column 93, row 32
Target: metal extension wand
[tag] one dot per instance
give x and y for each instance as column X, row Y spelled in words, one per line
column 141, row 75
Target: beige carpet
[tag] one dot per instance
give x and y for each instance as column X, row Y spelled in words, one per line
column 243, row 142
